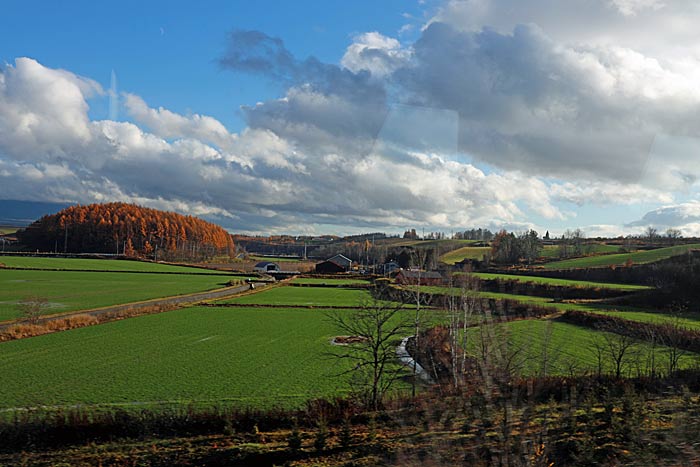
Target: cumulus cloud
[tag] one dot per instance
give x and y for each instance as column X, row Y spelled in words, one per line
column 375, row 53
column 498, row 112
column 266, row 178
column 683, row 216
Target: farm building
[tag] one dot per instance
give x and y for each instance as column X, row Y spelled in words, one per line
column 329, row 267
column 335, row 264
column 266, row 266
column 419, row 277
column 342, row 261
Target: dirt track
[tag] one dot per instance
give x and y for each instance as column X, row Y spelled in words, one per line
column 175, row 301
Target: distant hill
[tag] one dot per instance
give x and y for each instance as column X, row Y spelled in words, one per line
column 21, row 213
column 127, row 229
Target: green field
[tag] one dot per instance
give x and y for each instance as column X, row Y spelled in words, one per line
column 251, row 357
column 569, row 347
column 558, row 282
column 70, row 290
column 686, row 320
column 552, row 251
column 549, row 251
column 638, row 257
column 316, row 280
column 6, row 230
column 275, row 259
column 471, row 252
column 306, row 296
column 444, row 244
column 97, row 265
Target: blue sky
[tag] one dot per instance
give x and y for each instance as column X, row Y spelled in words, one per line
column 167, row 51
column 343, row 117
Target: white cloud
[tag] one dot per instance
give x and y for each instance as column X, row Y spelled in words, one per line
column 682, row 216
column 632, row 7
column 376, row 53
column 516, row 89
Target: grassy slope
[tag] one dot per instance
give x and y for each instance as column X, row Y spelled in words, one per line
column 5, row 230
column 258, row 357
column 67, row 290
column 559, row 282
column 317, row 280
column 552, row 251
column 274, row 259
column 308, row 296
column 569, row 346
column 639, row 257
column 549, row 251
column 471, row 252
column 688, row 320
column 96, row 265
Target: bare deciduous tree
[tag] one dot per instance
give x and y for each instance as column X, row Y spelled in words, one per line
column 618, row 349
column 31, row 308
column 376, row 328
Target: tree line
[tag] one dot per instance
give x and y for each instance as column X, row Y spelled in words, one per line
column 129, row 230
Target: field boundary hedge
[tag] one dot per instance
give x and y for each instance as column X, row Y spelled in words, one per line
column 501, row 308
column 662, row 333
column 525, row 287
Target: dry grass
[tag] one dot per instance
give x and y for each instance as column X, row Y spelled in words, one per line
column 24, row 330
column 21, row 331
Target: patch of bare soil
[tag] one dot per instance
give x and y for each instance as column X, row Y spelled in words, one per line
column 347, row 340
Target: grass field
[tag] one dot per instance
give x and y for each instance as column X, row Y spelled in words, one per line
column 316, row 280
column 549, row 251
column 689, row 320
column 686, row 320
column 552, row 251
column 447, row 243
column 559, row 282
column 251, row 357
column 569, row 347
column 5, row 230
column 275, row 259
column 639, row 257
column 307, row 296
column 471, row 252
column 97, row 265
column 68, row 290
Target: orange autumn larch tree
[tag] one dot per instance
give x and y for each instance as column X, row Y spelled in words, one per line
column 127, row 229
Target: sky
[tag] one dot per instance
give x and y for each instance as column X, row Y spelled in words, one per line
column 318, row 117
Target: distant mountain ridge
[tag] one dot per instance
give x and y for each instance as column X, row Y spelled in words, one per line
column 22, row 213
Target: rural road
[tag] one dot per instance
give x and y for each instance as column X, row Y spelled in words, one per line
column 166, row 301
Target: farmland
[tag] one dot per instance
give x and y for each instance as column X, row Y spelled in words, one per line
column 639, row 257
column 549, row 251
column 88, row 264
column 73, row 290
column 557, row 282
column 244, row 355
column 305, row 296
column 570, row 348
column 253, row 357
column 467, row 252
column 318, row 280
column 275, row 259
column 552, row 251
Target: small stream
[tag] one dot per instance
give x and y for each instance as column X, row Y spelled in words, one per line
column 406, row 359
